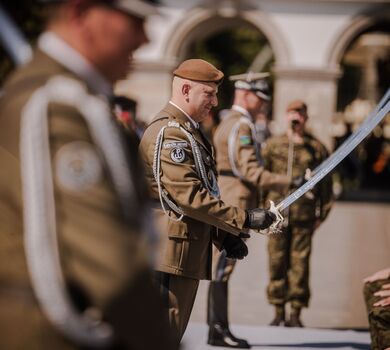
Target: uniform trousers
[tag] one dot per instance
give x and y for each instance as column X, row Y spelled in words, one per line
column 378, row 316
column 289, row 259
column 178, row 295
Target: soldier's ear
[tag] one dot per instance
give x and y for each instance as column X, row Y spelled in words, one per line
column 185, row 89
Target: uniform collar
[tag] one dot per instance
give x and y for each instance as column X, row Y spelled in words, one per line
column 193, row 122
column 55, row 47
column 243, row 111
column 177, row 113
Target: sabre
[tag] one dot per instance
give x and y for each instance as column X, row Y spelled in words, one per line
column 328, row 165
column 346, row 142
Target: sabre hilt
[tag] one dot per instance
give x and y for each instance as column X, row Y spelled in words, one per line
column 275, row 227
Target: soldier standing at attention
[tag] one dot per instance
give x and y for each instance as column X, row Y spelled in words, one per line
column 181, row 171
column 292, row 154
column 74, row 269
column 241, row 179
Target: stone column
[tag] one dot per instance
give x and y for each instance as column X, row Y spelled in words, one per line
column 149, row 84
column 318, row 88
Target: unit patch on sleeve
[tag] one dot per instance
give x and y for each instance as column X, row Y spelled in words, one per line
column 245, row 140
column 178, row 155
column 77, row 166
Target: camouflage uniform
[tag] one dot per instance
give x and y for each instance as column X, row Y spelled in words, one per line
column 378, row 316
column 289, row 253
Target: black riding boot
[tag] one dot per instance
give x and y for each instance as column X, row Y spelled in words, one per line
column 217, row 318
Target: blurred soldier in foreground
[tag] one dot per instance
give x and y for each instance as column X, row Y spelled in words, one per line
column 241, row 179
column 182, row 176
column 74, row 269
column 377, row 297
column 289, row 253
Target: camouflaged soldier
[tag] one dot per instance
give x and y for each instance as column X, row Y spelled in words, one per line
column 181, row 172
column 241, row 180
column 74, row 269
column 289, row 253
column 377, row 298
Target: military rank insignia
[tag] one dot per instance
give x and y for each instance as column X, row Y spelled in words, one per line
column 178, row 155
column 245, row 140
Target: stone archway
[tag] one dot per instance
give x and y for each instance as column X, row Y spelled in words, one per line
column 362, row 51
column 195, row 26
column 351, row 31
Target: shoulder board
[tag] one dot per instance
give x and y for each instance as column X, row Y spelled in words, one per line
column 156, row 119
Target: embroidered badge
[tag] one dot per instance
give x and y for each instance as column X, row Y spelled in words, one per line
column 245, row 140
column 178, row 155
column 177, row 144
column 173, row 124
column 77, row 166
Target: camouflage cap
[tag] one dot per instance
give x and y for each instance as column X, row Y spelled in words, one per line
column 198, row 70
column 137, row 8
column 298, row 106
column 256, row 82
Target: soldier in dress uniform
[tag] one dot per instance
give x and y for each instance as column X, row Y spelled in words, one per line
column 183, row 181
column 293, row 154
column 241, row 180
column 377, row 298
column 75, row 270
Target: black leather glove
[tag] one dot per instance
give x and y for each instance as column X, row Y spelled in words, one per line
column 235, row 247
column 259, row 219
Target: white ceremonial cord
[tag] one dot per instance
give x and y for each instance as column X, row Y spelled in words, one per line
column 40, row 232
column 212, row 188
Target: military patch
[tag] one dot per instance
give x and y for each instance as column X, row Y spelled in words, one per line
column 245, row 140
column 176, row 144
column 178, row 155
column 77, row 166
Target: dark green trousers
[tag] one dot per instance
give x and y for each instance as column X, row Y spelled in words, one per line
column 289, row 258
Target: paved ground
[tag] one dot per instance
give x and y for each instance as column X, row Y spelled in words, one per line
column 280, row 338
column 353, row 243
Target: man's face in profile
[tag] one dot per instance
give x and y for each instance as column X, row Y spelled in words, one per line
column 114, row 36
column 202, row 97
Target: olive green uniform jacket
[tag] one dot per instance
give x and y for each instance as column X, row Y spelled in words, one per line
column 315, row 204
column 103, row 256
column 243, row 192
column 186, row 246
